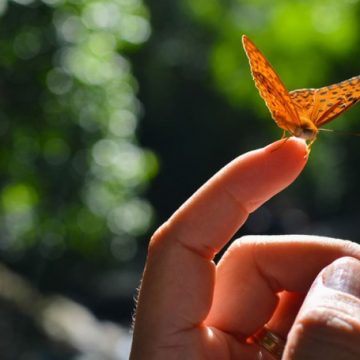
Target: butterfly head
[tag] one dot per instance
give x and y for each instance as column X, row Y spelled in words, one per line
column 306, row 134
column 307, row 130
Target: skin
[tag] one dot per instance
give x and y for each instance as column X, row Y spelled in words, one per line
column 190, row 308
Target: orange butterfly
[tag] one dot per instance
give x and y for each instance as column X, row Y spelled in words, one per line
column 300, row 112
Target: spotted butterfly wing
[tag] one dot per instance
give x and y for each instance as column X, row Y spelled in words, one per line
column 327, row 103
column 270, row 87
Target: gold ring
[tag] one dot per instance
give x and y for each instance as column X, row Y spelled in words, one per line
column 271, row 342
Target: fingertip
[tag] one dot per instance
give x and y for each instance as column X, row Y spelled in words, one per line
column 284, row 151
column 258, row 175
column 290, row 153
column 292, row 146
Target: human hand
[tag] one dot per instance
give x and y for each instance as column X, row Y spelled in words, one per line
column 189, row 308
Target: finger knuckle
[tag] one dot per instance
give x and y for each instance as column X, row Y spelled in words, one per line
column 157, row 237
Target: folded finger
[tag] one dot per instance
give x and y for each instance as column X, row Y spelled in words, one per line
column 256, row 268
column 285, row 313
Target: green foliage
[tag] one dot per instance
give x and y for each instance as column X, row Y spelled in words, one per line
column 72, row 171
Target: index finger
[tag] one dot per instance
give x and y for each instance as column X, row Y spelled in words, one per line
column 178, row 281
column 208, row 219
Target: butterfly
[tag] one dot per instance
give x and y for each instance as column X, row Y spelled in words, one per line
column 300, row 112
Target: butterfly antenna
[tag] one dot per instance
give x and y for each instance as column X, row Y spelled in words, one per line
column 346, row 133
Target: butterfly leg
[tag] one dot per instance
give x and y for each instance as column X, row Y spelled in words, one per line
column 284, row 138
column 309, row 145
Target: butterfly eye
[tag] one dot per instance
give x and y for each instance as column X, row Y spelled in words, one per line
column 308, row 134
column 305, row 133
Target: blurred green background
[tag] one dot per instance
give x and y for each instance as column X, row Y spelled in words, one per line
column 112, row 113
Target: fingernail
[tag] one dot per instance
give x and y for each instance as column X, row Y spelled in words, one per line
column 343, row 275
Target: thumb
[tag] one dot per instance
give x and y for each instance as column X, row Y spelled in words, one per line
column 328, row 323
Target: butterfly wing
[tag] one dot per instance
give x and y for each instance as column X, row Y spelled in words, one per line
column 271, row 88
column 325, row 104
column 333, row 100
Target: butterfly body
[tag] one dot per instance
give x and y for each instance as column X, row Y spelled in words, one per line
column 300, row 112
column 306, row 130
